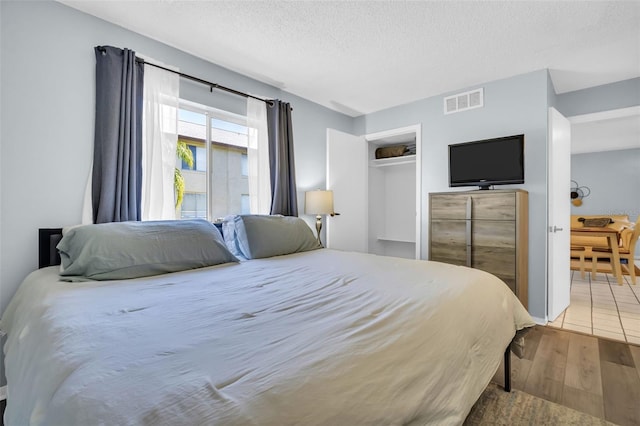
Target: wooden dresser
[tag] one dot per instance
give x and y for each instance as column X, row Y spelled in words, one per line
column 486, row 230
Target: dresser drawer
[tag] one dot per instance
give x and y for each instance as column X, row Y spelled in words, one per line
column 448, row 206
column 484, row 206
column 496, row 206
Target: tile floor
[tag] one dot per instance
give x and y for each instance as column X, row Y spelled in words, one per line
column 603, row 308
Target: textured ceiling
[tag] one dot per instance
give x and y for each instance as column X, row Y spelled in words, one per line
column 357, row 57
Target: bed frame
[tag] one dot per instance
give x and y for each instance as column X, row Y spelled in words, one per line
column 48, row 239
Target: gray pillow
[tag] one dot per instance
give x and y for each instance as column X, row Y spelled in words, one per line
column 259, row 236
column 123, row 250
column 230, row 235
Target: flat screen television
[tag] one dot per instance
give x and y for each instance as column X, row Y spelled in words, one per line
column 488, row 162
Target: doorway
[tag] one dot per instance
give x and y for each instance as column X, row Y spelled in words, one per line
column 605, row 151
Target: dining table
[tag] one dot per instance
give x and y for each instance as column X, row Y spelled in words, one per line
column 612, row 236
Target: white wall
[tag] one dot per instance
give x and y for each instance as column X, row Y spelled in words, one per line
column 47, row 105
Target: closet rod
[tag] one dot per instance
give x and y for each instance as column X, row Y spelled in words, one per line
column 206, row 83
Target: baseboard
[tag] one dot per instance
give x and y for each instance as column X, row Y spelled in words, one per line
column 3, row 393
column 539, row 321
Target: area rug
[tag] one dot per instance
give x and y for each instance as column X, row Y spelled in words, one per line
column 497, row 407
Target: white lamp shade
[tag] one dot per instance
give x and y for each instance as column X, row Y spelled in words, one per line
column 318, row 202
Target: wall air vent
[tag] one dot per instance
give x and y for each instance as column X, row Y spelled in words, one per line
column 464, row 101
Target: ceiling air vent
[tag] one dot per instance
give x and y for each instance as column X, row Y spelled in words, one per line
column 464, row 101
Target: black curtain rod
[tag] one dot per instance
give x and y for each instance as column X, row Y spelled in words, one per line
column 198, row 80
column 201, row 81
column 206, row 83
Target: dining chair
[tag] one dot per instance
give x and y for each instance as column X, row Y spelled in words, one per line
column 627, row 254
column 579, row 252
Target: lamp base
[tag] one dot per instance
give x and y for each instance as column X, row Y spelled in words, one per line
column 318, row 228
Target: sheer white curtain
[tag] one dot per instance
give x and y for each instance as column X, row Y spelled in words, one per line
column 258, row 158
column 87, row 205
column 159, row 141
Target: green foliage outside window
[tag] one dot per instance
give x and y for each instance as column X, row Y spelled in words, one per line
column 184, row 154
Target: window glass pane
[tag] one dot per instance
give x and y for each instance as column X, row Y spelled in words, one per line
column 192, row 125
column 200, row 158
column 192, row 130
column 194, row 205
column 192, row 117
column 244, row 165
column 199, row 154
column 225, row 169
column 228, row 126
column 185, row 165
column 195, row 182
column 227, row 181
column 229, row 133
column 229, row 170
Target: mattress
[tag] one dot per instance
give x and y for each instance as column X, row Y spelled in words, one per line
column 315, row 338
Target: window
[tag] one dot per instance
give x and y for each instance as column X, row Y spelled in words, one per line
column 199, row 153
column 218, row 184
column 194, row 205
column 244, row 164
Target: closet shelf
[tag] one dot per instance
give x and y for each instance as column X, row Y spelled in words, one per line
column 393, row 161
column 396, row 239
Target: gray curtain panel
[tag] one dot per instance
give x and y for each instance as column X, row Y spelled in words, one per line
column 117, row 157
column 284, row 199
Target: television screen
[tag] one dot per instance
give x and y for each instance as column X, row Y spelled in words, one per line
column 488, row 162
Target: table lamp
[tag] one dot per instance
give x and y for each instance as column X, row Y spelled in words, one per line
column 318, row 202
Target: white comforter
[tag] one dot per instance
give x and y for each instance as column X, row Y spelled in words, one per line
column 322, row 337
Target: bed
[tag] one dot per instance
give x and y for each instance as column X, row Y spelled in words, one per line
column 313, row 337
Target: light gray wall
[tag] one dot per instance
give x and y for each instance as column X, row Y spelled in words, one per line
column 512, row 106
column 622, row 94
column 614, row 180
column 47, row 104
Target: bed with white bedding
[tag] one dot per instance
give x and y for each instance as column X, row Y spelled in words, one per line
column 316, row 337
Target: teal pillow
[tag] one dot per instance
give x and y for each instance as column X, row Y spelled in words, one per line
column 260, row 236
column 123, row 250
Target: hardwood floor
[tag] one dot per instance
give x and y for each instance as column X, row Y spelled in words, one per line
column 591, row 374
